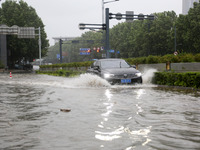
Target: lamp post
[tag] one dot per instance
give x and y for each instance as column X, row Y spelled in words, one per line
column 103, row 8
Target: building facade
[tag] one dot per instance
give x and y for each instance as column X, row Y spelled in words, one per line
column 186, row 5
column 3, row 50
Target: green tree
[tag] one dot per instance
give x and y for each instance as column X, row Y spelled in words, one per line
column 162, row 33
column 143, row 38
column 71, row 49
column 188, row 30
column 22, row 15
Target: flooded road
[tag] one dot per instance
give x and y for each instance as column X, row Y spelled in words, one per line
column 102, row 117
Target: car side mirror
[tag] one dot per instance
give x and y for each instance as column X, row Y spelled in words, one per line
column 133, row 66
column 96, row 67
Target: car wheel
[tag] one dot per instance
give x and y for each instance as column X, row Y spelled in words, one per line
column 139, row 81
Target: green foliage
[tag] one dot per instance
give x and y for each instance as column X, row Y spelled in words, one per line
column 163, row 59
column 144, row 38
column 188, row 30
column 189, row 79
column 63, row 73
column 74, row 64
column 22, row 15
column 71, row 50
column 1, row 65
column 197, row 58
column 153, row 59
column 171, row 58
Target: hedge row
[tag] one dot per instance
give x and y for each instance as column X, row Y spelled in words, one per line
column 1, row 65
column 189, row 79
column 74, row 64
column 163, row 59
column 64, row 73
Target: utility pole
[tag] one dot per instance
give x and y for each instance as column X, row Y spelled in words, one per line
column 39, row 43
column 107, row 33
column 175, row 38
column 61, row 50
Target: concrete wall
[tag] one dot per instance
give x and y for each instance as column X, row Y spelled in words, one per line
column 176, row 67
column 3, row 50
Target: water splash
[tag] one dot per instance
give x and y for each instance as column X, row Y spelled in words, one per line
column 82, row 81
column 148, row 75
column 89, row 80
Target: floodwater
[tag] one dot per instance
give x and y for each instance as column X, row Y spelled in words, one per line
column 102, row 117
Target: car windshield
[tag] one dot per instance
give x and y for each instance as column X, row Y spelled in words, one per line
column 114, row 64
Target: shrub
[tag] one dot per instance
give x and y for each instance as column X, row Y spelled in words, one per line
column 187, row 58
column 189, row 79
column 197, row 57
column 153, row 59
column 64, row 73
column 74, row 64
column 1, row 65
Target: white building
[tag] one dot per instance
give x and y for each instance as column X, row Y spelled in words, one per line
column 186, row 5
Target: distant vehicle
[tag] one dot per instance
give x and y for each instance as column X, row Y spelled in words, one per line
column 24, row 67
column 116, row 71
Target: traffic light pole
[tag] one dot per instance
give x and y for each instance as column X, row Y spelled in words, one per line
column 60, row 41
column 107, row 33
column 117, row 16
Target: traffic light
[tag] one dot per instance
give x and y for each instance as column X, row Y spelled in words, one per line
column 98, row 49
column 140, row 17
column 61, row 41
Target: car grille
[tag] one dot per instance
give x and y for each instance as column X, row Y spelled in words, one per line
column 124, row 76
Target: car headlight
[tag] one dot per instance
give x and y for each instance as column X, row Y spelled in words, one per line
column 138, row 74
column 108, row 75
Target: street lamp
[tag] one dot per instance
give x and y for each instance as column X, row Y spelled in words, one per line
column 103, row 7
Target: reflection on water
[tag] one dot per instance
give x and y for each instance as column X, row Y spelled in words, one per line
column 102, row 117
column 19, row 116
column 107, row 132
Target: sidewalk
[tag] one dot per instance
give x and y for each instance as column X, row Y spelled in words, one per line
column 16, row 71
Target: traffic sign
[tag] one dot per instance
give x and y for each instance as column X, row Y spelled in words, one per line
column 26, row 32
column 58, row 56
column 129, row 16
column 84, row 53
column 175, row 53
column 112, row 51
column 84, row 49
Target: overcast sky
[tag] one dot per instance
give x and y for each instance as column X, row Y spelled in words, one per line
column 62, row 17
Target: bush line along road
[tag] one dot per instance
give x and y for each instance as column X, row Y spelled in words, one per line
column 186, row 79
